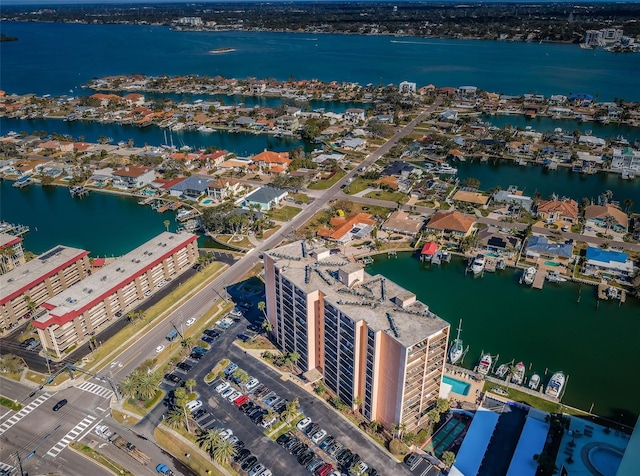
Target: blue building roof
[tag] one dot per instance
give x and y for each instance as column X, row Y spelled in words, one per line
column 540, row 244
column 606, row 256
column 192, row 183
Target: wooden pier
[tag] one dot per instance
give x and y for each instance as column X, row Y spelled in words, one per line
column 78, row 191
column 13, row 229
column 538, row 281
column 607, row 292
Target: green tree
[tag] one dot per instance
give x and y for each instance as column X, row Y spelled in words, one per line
column 409, row 438
column 176, row 417
column 224, row 451
column 148, row 385
column 320, row 388
column 262, row 306
column 241, row 375
column 293, row 358
column 375, row 425
column 448, row 458
column 290, row 411
column 443, row 405
column 208, row 440
column 434, row 416
column 166, row 224
column 190, row 384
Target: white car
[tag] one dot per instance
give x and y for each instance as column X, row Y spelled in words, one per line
column 222, row 386
column 319, row 436
column 302, row 424
column 236, row 312
column 226, row 392
column 159, row 349
column 234, row 395
column 251, row 384
column 190, row 321
column 161, row 283
column 268, row 423
column 147, row 292
column 226, row 434
column 257, row 470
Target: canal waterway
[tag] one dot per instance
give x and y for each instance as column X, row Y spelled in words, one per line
column 55, row 58
column 558, row 328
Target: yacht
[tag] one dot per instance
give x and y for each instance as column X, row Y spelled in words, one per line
column 555, row 277
column 183, row 213
column 529, row 275
column 502, row 370
column 518, row 375
column 534, row 382
column 456, row 350
column 485, row 364
column 555, row 385
column 477, row 265
column 445, row 169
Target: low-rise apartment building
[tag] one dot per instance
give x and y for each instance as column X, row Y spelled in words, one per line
column 376, row 347
column 92, row 305
column 11, row 253
column 26, row 287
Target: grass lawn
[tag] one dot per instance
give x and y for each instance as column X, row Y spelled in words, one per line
column 325, row 184
column 519, row 396
column 300, row 197
column 179, row 449
column 258, row 342
column 269, row 232
column 142, row 408
column 315, row 222
column 123, row 418
column 388, row 196
column 358, row 185
column 284, row 213
column 239, row 241
column 7, row 402
column 101, row 459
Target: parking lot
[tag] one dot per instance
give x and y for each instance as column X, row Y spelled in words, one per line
column 223, row 413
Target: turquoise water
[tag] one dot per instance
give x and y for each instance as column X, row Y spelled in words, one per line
column 457, row 386
column 34, row 64
column 557, row 328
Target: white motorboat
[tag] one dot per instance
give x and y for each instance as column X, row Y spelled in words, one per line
column 478, row 263
column 445, row 169
column 529, row 275
column 555, row 277
column 456, row 350
column 485, row 364
column 502, row 370
column 534, row 382
column 555, row 385
column 518, row 374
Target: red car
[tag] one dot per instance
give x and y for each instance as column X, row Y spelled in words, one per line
column 241, row 400
column 324, row 470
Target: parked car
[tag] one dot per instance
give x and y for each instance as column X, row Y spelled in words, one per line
column 200, row 350
column 199, row 413
column 253, row 328
column 236, row 312
column 328, row 441
column 243, row 337
column 222, row 386
column 234, row 395
column 207, row 339
column 251, row 384
column 195, row 356
column 319, row 436
column 302, row 424
column 305, row 458
column 241, row 400
column 164, row 469
column 248, row 463
column 284, row 438
column 230, row 369
column 257, row 469
column 184, row 366
column 172, row 378
column 211, row 333
column 269, row 422
column 226, row 434
column 60, row 404
column 242, row 455
column 190, row 321
column 226, row 392
column 315, row 463
column 244, row 408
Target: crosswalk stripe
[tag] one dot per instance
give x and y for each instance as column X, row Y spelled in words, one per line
column 95, row 389
column 70, row 436
column 24, row 412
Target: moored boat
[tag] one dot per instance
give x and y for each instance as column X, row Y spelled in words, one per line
column 555, row 385
column 534, row 382
column 518, row 374
column 555, row 277
column 485, row 364
column 502, row 370
column 456, row 350
column 478, row 264
column 529, row 275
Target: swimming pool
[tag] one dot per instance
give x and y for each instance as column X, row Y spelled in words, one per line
column 207, row 201
column 605, row 459
column 551, row 263
column 457, row 386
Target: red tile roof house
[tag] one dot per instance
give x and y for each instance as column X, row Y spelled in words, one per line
column 566, row 210
column 272, row 162
column 131, row 177
column 133, row 99
column 452, row 224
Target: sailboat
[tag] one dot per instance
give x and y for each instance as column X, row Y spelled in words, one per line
column 456, row 350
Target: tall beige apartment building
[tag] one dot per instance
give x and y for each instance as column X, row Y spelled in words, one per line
column 370, row 339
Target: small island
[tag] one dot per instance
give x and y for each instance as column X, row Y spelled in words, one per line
column 221, row 50
column 4, row 38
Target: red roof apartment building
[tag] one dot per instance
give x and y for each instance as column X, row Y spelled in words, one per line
column 92, row 305
column 26, row 287
column 11, row 254
column 365, row 336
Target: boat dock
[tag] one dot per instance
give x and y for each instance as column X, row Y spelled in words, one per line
column 538, row 280
column 171, row 206
column 607, row 292
column 13, row 229
column 23, row 182
column 79, row 191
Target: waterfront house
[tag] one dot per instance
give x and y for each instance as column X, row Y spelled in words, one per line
column 214, row 159
column 352, row 143
column 131, row 177
column 403, row 223
column 222, row 188
column 272, row 162
column 540, row 246
column 606, row 216
column 625, row 159
column 513, row 196
column 401, row 169
column 564, row 210
column 191, row 188
column 266, row 198
column 307, row 175
column 503, row 244
column 407, row 87
column 11, row 252
column 288, row 123
column 450, row 224
column 470, row 197
column 608, row 264
column 344, row 229
column 354, row 115
column 133, row 99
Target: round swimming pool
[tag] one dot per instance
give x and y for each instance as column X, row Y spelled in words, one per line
column 605, row 460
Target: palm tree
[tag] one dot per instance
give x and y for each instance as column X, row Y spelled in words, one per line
column 210, row 439
column 176, row 417
column 189, row 343
column 290, row 411
column 190, row 383
column 261, row 307
column 166, row 224
column 293, row 358
column 129, row 386
column 148, row 385
column 375, row 425
column 224, row 451
column 448, row 458
column 270, row 415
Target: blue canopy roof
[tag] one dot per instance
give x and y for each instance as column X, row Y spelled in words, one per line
column 606, row 256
